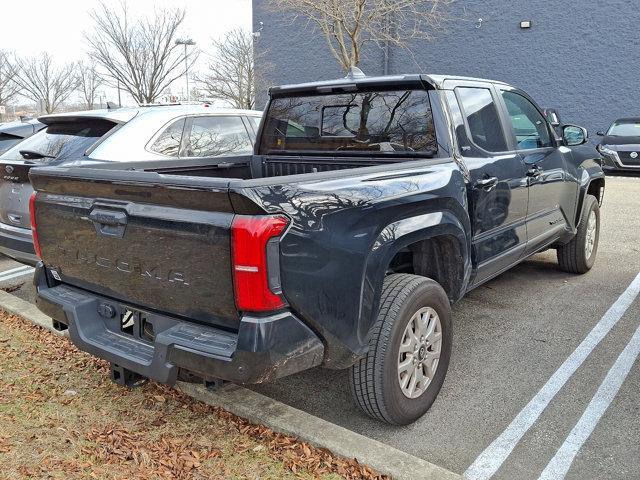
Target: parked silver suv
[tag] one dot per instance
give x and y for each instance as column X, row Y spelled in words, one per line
column 154, row 138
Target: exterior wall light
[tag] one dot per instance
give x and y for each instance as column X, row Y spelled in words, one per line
column 525, row 24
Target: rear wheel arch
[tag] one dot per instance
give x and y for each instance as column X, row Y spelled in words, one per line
column 412, row 240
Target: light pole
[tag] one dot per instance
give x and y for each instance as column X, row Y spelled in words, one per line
column 186, row 42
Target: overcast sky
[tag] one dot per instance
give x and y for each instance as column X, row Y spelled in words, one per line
column 57, row 26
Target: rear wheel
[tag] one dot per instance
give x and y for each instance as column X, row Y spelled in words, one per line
column 579, row 255
column 409, row 351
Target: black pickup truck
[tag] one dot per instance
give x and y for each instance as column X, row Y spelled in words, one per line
column 370, row 205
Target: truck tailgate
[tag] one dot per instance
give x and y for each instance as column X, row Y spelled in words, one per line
column 145, row 239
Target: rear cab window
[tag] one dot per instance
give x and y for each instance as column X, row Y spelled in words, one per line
column 382, row 122
column 60, row 141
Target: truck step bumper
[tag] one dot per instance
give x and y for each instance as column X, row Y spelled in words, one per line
column 158, row 346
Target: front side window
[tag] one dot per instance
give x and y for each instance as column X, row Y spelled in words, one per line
column 217, row 135
column 168, row 142
column 482, row 118
column 359, row 123
column 529, row 126
column 61, row 141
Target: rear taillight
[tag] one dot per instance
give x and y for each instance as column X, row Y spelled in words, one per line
column 34, row 231
column 256, row 261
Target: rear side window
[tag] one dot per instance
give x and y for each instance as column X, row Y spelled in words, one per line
column 60, row 141
column 383, row 121
column 217, row 135
column 482, row 118
column 168, row 142
column 255, row 121
column 7, row 141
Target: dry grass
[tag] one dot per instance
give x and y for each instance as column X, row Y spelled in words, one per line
column 61, row 417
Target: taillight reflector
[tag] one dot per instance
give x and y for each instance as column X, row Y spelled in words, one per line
column 34, row 231
column 250, row 262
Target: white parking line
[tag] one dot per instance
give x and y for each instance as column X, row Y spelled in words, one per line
column 16, row 272
column 12, row 270
column 562, row 460
column 490, row 460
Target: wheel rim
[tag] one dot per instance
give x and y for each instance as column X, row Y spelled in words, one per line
column 420, row 350
column 592, row 227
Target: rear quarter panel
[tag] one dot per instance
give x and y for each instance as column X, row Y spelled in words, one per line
column 343, row 232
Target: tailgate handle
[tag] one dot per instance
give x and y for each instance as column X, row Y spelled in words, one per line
column 109, row 223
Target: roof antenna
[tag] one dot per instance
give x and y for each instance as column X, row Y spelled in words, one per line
column 355, row 73
column 112, row 106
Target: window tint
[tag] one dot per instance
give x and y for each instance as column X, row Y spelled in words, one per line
column 384, row 121
column 168, row 143
column 482, row 118
column 529, row 126
column 212, row 136
column 62, row 141
column 7, row 141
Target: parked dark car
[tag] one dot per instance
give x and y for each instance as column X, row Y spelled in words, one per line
column 370, row 205
column 12, row 133
column 148, row 137
column 620, row 146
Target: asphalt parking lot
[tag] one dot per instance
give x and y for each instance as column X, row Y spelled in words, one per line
column 518, row 338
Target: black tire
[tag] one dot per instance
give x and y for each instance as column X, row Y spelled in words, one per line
column 572, row 257
column 374, row 381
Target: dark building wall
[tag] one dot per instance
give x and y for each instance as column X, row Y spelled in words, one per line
column 582, row 58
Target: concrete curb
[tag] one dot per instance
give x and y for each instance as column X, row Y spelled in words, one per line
column 16, row 306
column 280, row 417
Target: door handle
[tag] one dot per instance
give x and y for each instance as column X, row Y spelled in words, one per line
column 486, row 183
column 534, row 172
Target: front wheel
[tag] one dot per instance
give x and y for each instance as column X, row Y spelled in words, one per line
column 409, row 351
column 579, row 255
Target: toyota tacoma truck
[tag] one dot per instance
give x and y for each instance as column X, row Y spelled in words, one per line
column 369, row 206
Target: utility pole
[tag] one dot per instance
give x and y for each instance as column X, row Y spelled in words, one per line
column 186, row 42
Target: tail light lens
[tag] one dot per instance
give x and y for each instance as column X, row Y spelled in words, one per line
column 34, row 231
column 256, row 262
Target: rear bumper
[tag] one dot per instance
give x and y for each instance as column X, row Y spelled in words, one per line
column 262, row 349
column 17, row 243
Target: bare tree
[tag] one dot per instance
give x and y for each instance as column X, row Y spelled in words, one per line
column 139, row 53
column 8, row 87
column 348, row 25
column 89, row 80
column 41, row 81
column 232, row 76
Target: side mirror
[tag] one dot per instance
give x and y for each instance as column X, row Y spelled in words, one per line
column 574, row 135
column 600, row 134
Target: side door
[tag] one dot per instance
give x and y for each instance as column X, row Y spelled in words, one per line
column 552, row 193
column 497, row 190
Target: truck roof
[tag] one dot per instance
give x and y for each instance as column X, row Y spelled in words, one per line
column 352, row 82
